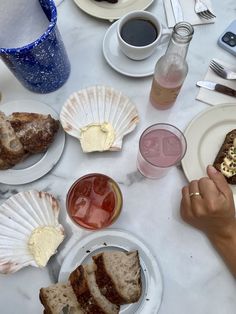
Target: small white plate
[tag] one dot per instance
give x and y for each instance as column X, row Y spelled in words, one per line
column 111, row 11
column 115, row 239
column 122, row 64
column 37, row 165
column 205, row 135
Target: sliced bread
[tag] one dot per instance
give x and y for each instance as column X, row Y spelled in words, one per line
column 59, row 297
column 89, row 296
column 11, row 149
column 118, row 276
column 225, row 160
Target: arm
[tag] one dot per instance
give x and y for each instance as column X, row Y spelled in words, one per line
column 225, row 244
column 212, row 212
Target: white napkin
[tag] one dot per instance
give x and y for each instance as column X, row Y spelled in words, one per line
column 214, row 98
column 188, row 12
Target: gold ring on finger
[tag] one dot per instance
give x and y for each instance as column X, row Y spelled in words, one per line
column 194, row 194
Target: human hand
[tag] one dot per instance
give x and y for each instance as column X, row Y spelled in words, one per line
column 213, row 210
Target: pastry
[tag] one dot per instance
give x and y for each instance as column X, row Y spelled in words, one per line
column 24, row 133
column 11, row 148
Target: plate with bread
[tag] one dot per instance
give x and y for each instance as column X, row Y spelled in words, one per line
column 211, row 138
column 31, row 141
column 109, row 271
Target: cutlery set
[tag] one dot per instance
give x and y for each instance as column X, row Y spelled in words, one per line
column 203, row 11
column 200, row 8
column 223, row 72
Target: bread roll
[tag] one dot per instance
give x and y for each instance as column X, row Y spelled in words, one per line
column 11, row 148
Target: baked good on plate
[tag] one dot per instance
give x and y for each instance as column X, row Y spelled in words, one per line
column 35, row 131
column 59, row 297
column 225, row 160
column 24, row 133
column 11, row 149
column 122, row 285
column 89, row 296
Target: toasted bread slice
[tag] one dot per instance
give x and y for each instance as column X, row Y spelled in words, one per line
column 118, row 276
column 59, row 297
column 35, row 131
column 223, row 152
column 89, row 296
column 11, row 149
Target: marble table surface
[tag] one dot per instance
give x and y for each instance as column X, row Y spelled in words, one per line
column 194, row 276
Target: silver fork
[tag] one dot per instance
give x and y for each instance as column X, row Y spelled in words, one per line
column 222, row 70
column 202, row 10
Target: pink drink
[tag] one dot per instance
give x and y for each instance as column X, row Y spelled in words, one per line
column 165, row 91
column 160, row 147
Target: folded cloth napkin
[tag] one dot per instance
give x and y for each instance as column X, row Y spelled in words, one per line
column 214, row 98
column 188, row 12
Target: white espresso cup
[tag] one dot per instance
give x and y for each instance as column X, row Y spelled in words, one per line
column 139, row 33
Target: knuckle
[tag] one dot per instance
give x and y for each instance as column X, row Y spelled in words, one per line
column 213, row 207
column 198, row 213
column 204, row 180
column 193, row 182
column 184, row 189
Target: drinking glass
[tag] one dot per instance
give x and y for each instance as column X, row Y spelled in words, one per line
column 94, row 201
column 161, row 146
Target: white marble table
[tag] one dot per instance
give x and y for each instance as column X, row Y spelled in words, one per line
column 195, row 278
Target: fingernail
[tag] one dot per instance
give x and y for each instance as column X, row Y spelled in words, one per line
column 212, row 169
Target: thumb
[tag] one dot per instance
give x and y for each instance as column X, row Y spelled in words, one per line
column 219, row 180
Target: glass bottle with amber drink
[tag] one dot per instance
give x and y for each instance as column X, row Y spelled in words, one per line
column 171, row 69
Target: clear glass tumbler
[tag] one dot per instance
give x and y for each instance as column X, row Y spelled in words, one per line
column 161, row 146
column 94, row 201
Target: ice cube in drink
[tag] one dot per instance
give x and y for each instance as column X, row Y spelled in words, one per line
column 94, row 201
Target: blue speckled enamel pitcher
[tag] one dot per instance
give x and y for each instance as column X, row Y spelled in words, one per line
column 41, row 66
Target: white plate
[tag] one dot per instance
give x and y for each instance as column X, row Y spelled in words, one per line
column 111, row 11
column 205, row 135
column 124, row 65
column 114, row 239
column 34, row 166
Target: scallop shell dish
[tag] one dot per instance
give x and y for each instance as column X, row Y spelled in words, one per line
column 99, row 116
column 29, row 230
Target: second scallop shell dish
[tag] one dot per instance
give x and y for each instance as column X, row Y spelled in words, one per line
column 99, row 113
column 29, row 230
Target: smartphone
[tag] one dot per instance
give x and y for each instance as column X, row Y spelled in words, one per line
column 227, row 39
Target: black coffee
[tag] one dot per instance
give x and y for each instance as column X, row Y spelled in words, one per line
column 139, row 32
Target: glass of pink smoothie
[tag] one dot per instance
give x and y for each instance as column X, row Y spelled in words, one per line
column 161, row 146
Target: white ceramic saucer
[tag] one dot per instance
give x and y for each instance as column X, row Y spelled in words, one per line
column 122, row 64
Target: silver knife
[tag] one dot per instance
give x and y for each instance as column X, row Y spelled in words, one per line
column 217, row 87
column 177, row 10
